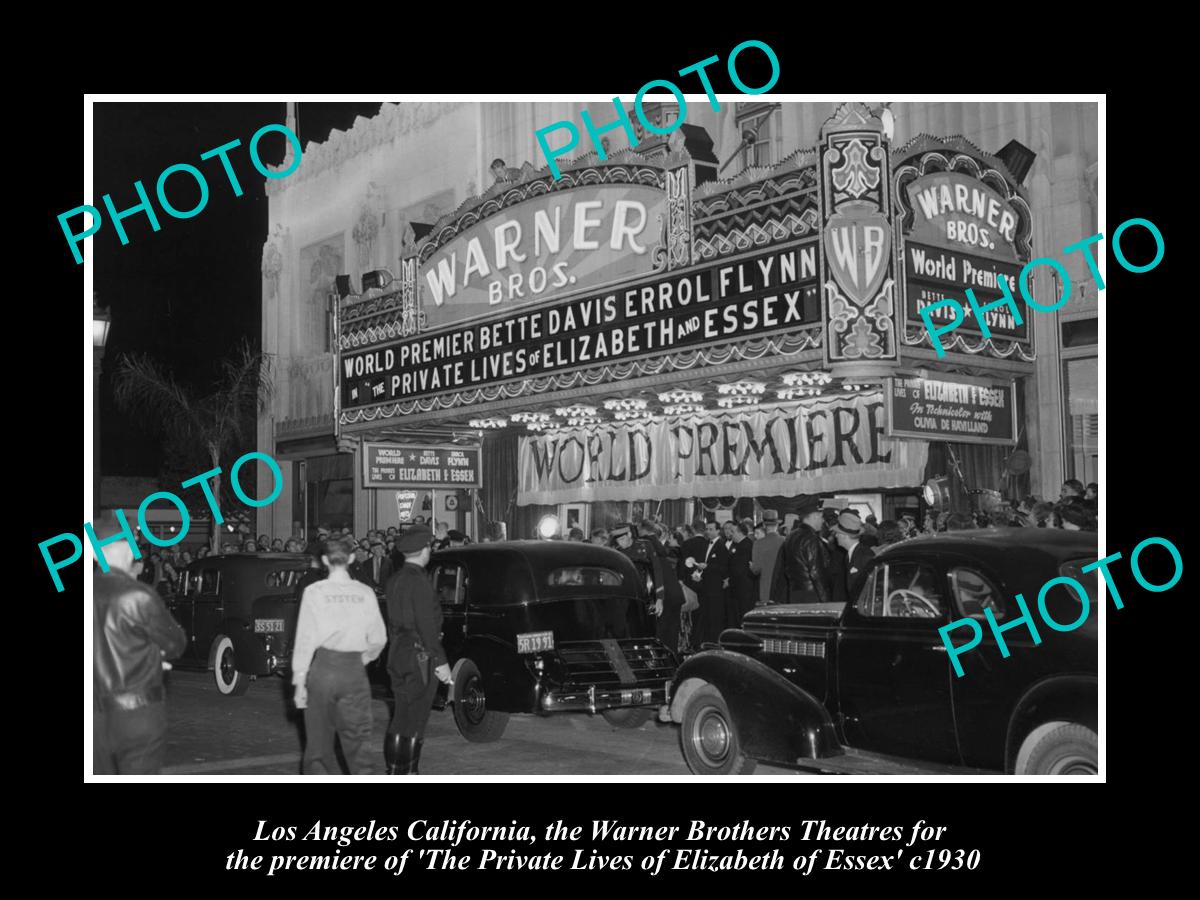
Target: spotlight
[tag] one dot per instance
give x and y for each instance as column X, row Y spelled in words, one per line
column 547, row 527
column 1018, row 158
column 379, row 278
column 937, row 493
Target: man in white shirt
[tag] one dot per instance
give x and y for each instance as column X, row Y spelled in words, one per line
column 710, row 579
column 848, row 530
column 339, row 630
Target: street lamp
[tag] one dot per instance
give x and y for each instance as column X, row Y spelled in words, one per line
column 101, row 322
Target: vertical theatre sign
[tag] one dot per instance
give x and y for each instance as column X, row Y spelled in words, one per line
column 857, row 264
column 966, row 226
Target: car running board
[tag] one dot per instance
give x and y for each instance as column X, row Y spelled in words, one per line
column 860, row 762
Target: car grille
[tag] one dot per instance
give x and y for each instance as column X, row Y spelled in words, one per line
column 794, row 648
column 612, row 663
column 783, row 639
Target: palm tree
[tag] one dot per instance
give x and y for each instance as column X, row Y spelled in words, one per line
column 215, row 422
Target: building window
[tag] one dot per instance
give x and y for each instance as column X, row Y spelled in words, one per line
column 1082, row 418
column 324, row 493
column 759, row 124
column 1080, row 333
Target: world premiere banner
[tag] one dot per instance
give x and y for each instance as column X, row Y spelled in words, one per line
column 826, row 445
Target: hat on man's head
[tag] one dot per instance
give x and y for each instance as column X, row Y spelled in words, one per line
column 414, row 538
column 770, row 516
column 849, row 523
column 455, row 535
column 623, row 529
column 807, row 503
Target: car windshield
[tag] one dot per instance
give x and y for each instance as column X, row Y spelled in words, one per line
column 584, row 575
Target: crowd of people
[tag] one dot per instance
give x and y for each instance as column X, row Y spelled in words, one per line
column 707, row 574
column 163, row 568
column 1075, row 509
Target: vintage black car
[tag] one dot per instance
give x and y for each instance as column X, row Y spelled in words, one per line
column 867, row 686
column 546, row 626
column 239, row 611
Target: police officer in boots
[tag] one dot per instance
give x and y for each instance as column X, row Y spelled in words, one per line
column 416, row 660
column 338, row 631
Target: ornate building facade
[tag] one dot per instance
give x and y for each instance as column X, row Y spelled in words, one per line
column 406, row 183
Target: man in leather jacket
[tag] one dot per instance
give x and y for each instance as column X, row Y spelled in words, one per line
column 132, row 635
column 803, row 573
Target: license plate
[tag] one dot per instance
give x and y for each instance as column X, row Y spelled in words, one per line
column 268, row 626
column 535, row 641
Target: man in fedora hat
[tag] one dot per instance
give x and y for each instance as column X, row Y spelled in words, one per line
column 848, row 530
column 802, row 574
column 765, row 553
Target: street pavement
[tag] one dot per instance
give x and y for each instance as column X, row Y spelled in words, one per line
column 260, row 733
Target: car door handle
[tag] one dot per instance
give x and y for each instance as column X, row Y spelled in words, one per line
column 941, row 648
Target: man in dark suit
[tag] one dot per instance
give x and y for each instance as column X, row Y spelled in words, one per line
column 709, row 577
column 838, row 564
column 848, row 530
column 376, row 569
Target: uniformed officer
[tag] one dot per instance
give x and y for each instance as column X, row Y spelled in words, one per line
column 338, row 631
column 416, row 660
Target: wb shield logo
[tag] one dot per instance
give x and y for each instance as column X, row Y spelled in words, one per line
column 856, row 247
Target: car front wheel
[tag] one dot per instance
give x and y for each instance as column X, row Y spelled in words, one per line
column 229, row 680
column 709, row 737
column 1059, row 748
column 475, row 721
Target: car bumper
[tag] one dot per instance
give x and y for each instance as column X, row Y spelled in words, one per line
column 593, row 699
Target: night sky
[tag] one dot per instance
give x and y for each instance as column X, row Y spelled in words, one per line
column 189, row 292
